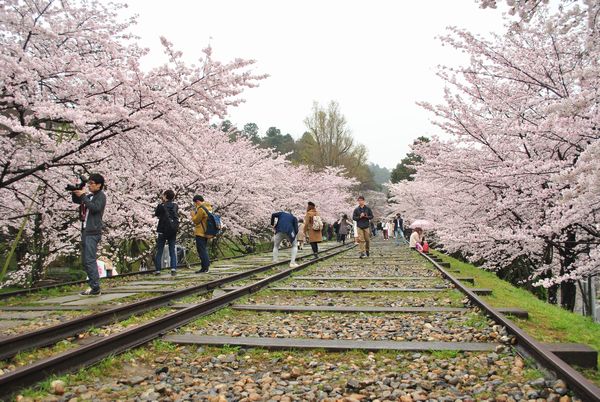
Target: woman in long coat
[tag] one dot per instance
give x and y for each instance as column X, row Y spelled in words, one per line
column 344, row 227
column 314, row 236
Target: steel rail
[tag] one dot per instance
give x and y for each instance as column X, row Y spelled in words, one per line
column 122, row 341
column 582, row 387
column 21, row 292
column 10, row 346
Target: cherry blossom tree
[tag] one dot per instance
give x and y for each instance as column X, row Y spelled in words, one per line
column 74, row 99
column 518, row 168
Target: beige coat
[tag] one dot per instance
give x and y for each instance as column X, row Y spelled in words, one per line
column 414, row 239
column 314, row 236
column 301, row 234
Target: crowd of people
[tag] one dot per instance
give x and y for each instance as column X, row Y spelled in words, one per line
column 311, row 229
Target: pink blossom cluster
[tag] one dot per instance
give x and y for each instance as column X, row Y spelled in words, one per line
column 518, row 176
column 74, row 99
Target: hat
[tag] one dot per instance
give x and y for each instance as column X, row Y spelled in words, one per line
column 198, row 198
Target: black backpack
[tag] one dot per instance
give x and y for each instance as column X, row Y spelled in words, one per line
column 171, row 222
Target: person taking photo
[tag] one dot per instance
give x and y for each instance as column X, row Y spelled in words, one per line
column 91, row 211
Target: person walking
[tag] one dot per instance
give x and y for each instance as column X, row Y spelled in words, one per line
column 344, row 228
column 363, row 215
column 313, row 225
column 336, row 229
column 301, row 234
column 168, row 225
column 199, row 216
column 91, row 211
column 399, row 230
column 386, row 230
column 286, row 228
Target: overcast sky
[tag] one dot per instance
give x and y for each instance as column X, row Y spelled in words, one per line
column 375, row 58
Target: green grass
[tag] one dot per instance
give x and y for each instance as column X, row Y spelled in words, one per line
column 29, row 356
column 546, row 323
column 216, row 316
column 161, row 346
column 444, row 354
column 138, row 319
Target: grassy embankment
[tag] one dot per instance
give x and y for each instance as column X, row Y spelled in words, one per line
column 547, row 323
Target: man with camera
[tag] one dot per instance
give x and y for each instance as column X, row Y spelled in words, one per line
column 91, row 209
column 363, row 215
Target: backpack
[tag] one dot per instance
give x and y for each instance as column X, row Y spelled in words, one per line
column 213, row 224
column 171, row 222
column 317, row 223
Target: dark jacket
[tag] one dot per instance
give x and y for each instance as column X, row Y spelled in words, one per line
column 162, row 212
column 286, row 223
column 398, row 224
column 363, row 222
column 92, row 206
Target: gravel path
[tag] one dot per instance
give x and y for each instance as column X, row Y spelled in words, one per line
column 441, row 299
column 447, row 327
column 219, row 375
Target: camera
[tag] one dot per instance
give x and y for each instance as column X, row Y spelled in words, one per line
column 78, row 186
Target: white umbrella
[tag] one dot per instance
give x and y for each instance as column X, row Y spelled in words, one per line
column 421, row 223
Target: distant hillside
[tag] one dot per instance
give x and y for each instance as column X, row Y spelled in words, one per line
column 381, row 175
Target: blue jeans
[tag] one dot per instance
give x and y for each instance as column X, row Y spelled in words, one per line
column 160, row 246
column 89, row 247
column 399, row 235
column 202, row 247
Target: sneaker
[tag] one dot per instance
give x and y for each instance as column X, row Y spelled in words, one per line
column 201, row 271
column 294, row 265
column 157, row 272
column 362, row 255
column 367, row 253
column 91, row 292
column 173, row 272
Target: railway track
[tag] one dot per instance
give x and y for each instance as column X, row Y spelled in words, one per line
column 422, row 335
column 380, row 304
column 129, row 337
column 35, row 289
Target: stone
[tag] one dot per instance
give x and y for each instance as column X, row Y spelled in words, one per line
column 538, row 383
column 81, row 389
column 353, row 384
column 559, row 384
column 133, row 380
column 57, row 387
column 161, row 370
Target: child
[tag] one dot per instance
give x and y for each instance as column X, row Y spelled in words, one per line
column 301, row 235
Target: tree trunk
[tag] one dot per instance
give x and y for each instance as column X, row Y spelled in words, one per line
column 553, row 294
column 568, row 288
column 37, row 250
column 568, row 293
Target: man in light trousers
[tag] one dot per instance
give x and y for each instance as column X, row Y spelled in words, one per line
column 286, row 228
